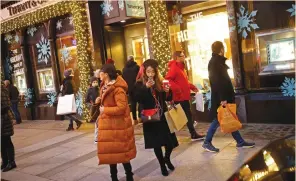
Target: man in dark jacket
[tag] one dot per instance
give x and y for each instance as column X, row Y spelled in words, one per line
column 7, row 148
column 130, row 72
column 68, row 88
column 181, row 88
column 14, row 98
column 222, row 92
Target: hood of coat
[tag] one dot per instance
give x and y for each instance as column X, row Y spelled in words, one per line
column 130, row 64
column 119, row 82
column 175, row 63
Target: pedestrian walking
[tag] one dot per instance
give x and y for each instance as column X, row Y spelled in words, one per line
column 116, row 142
column 7, row 148
column 129, row 73
column 90, row 98
column 68, row 88
column 151, row 94
column 14, row 98
column 181, row 88
column 222, row 92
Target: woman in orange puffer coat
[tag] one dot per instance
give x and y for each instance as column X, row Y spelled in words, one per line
column 116, row 141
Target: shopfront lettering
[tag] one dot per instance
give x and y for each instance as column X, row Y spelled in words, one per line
column 186, row 35
column 196, row 16
column 13, row 10
column 135, row 7
column 16, row 58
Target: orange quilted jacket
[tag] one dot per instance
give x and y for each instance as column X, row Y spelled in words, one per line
column 116, row 141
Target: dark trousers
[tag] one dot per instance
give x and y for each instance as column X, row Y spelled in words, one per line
column 17, row 115
column 127, row 167
column 212, row 130
column 159, row 154
column 186, row 107
column 133, row 103
column 72, row 118
column 7, row 150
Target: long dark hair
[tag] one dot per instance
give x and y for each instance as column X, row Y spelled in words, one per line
column 144, row 78
column 110, row 70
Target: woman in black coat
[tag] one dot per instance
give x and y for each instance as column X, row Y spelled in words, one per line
column 150, row 93
column 7, row 148
column 68, row 88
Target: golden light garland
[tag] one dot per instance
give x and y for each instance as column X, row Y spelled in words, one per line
column 160, row 37
column 81, row 28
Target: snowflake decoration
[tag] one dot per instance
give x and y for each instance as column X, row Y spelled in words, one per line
column 43, row 50
column 29, row 97
column 16, row 38
column 8, row 38
column 59, row 25
column 292, row 10
column 206, row 94
column 8, row 67
column 71, row 20
column 31, row 30
column 78, row 101
column 121, row 4
column 288, row 87
column 106, row 7
column 66, row 57
column 177, row 19
column 52, row 97
column 246, row 21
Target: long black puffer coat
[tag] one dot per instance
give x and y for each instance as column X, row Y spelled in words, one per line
column 6, row 113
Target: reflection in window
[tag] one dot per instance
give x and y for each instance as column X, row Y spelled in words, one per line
column 45, row 80
column 20, row 82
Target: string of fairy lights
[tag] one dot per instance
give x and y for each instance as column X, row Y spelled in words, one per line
column 160, row 37
column 81, row 27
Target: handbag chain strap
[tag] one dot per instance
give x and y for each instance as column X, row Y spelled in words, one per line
column 157, row 104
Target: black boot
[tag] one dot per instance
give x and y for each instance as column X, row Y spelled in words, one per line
column 129, row 177
column 169, row 164
column 128, row 171
column 79, row 123
column 10, row 166
column 114, row 178
column 164, row 170
column 70, row 128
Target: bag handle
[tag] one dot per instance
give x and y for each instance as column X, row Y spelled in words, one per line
column 157, row 104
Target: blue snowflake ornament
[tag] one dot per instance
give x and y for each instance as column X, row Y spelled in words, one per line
column 121, row 4
column 29, row 93
column 8, row 38
column 66, row 57
column 292, row 10
column 52, row 97
column 288, row 87
column 59, row 25
column 43, row 49
column 106, row 7
column 8, row 67
column 16, row 38
column 78, row 101
column 31, row 31
column 246, row 21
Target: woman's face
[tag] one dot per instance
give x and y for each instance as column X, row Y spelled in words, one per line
column 103, row 76
column 150, row 72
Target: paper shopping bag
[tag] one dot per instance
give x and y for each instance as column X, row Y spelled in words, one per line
column 228, row 119
column 66, row 105
column 199, row 102
column 170, row 122
column 178, row 117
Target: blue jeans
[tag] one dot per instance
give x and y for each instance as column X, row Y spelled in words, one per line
column 17, row 115
column 212, row 129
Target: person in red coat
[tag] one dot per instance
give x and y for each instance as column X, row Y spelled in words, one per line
column 181, row 88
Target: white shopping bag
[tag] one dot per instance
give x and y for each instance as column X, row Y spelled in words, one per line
column 66, row 105
column 199, row 102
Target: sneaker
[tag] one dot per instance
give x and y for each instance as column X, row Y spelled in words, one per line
column 209, row 147
column 197, row 137
column 245, row 145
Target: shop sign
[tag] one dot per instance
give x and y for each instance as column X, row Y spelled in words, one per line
column 135, row 8
column 22, row 7
column 187, row 35
column 17, row 62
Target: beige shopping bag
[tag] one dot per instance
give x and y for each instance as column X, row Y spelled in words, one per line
column 178, row 117
column 66, row 105
column 170, row 122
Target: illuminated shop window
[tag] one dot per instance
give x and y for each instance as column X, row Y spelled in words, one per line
column 45, row 80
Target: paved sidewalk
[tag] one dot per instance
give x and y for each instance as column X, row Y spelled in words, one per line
column 46, row 152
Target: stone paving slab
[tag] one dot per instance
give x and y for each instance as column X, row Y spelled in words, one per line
column 45, row 151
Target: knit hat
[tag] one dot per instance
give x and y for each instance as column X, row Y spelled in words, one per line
column 110, row 61
column 69, row 72
column 92, row 79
